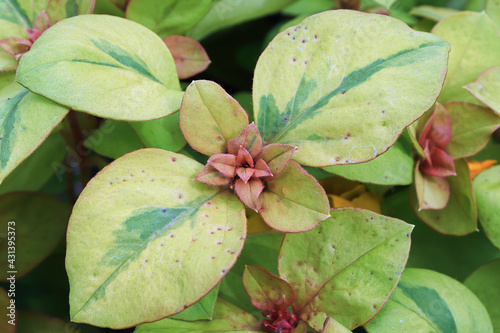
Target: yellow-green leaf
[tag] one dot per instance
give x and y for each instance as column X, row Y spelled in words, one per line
column 475, row 45
column 345, row 268
column 487, row 88
column 459, row 216
column 26, row 120
column 485, row 283
column 103, row 65
column 342, row 85
column 144, row 227
column 427, row 301
column 487, row 191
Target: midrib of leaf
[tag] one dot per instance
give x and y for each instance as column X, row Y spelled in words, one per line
column 344, row 85
column 313, row 296
column 126, row 262
column 431, row 324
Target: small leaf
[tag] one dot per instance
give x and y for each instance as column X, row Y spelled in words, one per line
column 39, row 222
column 475, row 45
column 487, row 191
column 324, row 85
column 100, row 52
column 211, row 176
column 333, row 326
column 142, row 223
column 267, row 291
column 114, row 139
column 209, row 117
column 438, row 163
column 432, row 192
column 336, row 274
column 189, row 56
column 277, row 157
column 438, row 128
column 26, row 120
column 435, row 14
column 224, row 163
column 227, row 318
column 295, row 202
column 394, row 167
column 427, row 301
column 163, row 133
column 201, row 310
column 58, row 10
column 249, row 192
column 487, row 88
column 472, row 128
column 37, row 169
column 485, row 283
column 167, row 17
column 249, row 138
column 459, row 216
column 226, row 13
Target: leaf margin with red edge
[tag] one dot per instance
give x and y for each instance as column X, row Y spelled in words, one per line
column 266, row 299
column 274, row 212
column 209, row 117
column 189, row 55
column 437, row 186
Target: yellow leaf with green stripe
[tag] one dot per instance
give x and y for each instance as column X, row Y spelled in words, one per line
column 342, row 85
column 103, row 65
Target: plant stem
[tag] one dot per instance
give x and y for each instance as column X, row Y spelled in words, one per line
column 78, row 144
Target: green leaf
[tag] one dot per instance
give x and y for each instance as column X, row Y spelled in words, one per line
column 226, row 13
column 487, row 191
column 114, row 139
column 163, row 133
column 427, row 301
column 394, row 167
column 37, row 169
column 344, row 93
column 453, row 256
column 168, row 17
column 487, row 88
column 345, row 268
column 21, row 12
column 39, row 225
column 5, row 303
column 333, row 326
column 459, row 217
column 260, row 249
column 201, row 310
column 432, row 192
column 267, row 291
column 227, row 318
column 110, row 67
column 475, row 45
column 142, row 225
column 471, row 130
column 209, row 117
column 386, row 3
column 26, row 120
column 294, row 202
column 432, row 13
column 58, row 10
column 485, row 283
